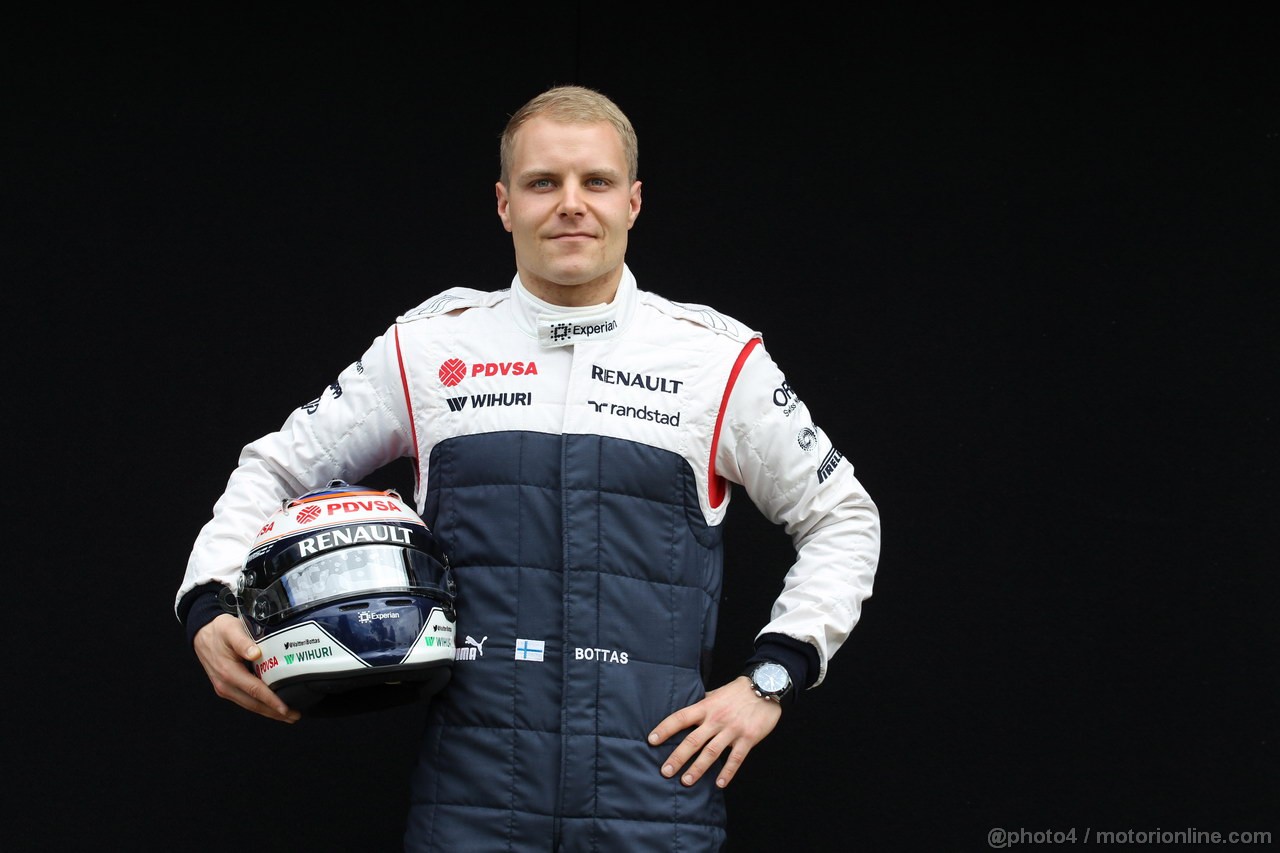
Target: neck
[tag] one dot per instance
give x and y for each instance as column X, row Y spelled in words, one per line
column 594, row 292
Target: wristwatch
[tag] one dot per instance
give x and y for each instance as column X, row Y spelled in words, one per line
column 770, row 680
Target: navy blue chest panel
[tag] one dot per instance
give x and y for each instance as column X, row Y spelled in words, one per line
column 588, row 587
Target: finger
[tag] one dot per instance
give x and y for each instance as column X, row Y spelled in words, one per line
column 706, row 757
column 689, row 747
column 237, row 639
column 264, row 701
column 226, row 651
column 253, row 694
column 260, row 698
column 677, row 722
column 737, row 756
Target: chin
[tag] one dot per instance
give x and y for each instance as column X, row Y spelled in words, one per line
column 573, row 276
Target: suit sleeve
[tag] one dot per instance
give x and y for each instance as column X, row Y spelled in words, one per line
column 358, row 424
column 771, row 446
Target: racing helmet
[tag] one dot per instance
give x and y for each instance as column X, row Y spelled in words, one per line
column 351, row 600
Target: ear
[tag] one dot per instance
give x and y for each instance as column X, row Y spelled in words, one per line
column 504, row 203
column 635, row 205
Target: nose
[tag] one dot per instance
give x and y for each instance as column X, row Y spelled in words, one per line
column 571, row 201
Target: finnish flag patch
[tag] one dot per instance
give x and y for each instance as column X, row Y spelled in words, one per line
column 530, row 649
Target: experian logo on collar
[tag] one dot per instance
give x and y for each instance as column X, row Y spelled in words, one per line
column 559, row 331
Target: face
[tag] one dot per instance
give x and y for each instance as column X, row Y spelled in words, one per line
column 569, row 208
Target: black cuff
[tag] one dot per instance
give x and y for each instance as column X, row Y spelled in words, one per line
column 199, row 607
column 799, row 658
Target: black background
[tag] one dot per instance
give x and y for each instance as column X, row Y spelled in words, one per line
column 1020, row 263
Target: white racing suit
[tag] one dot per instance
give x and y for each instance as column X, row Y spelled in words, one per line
column 576, row 465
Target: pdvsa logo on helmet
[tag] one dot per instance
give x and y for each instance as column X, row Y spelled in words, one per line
column 307, row 514
column 266, row 665
column 335, row 507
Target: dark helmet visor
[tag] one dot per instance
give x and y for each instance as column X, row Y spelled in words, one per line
column 374, row 569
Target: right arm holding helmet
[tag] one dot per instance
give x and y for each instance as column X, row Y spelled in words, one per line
column 357, row 425
column 224, row 647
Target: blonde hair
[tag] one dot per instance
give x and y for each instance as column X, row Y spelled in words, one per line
column 572, row 105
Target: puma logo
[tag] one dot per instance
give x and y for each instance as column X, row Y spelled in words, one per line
column 476, row 648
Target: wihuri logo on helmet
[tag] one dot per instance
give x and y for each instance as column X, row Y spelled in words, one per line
column 351, row 599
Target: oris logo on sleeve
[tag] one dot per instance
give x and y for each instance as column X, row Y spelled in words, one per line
column 785, row 399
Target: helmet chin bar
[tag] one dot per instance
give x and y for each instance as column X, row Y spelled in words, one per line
column 319, row 697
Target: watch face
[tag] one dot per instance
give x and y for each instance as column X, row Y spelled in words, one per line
column 771, row 678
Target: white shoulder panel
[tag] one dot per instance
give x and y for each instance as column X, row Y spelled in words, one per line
column 453, row 299
column 708, row 318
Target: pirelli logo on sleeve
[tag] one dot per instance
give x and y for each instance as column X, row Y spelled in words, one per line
column 829, row 464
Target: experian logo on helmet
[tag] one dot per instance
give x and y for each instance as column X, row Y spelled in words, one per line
column 366, row 617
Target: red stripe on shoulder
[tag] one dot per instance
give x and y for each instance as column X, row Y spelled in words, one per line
column 717, row 489
column 408, row 404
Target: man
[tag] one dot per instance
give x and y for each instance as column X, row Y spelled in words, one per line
column 575, row 441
